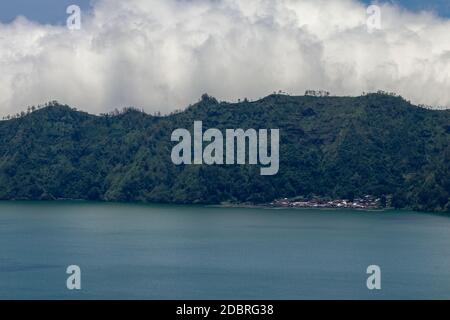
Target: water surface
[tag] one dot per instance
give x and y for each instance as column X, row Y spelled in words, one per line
column 192, row 252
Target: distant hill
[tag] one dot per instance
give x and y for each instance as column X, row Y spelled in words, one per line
column 335, row 147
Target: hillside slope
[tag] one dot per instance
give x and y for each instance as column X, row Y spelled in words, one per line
column 337, row 147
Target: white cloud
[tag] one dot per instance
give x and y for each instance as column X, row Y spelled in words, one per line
column 163, row 54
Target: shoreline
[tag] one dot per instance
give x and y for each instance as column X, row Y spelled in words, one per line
column 269, row 206
column 222, row 205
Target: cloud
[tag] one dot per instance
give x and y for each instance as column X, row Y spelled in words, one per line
column 163, row 54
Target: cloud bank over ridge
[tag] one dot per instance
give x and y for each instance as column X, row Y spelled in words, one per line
column 163, row 54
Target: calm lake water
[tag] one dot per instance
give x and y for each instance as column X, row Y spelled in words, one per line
column 188, row 252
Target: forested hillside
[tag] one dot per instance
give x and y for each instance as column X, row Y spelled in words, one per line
column 336, row 147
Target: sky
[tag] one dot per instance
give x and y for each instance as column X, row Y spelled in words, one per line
column 440, row 7
column 161, row 55
column 52, row 11
column 43, row 11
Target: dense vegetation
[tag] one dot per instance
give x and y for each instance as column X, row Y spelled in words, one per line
column 336, row 147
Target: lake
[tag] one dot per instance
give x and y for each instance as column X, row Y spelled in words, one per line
column 197, row 252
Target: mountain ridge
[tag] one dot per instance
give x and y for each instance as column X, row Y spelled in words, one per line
column 332, row 147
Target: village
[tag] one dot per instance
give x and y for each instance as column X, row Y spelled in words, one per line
column 366, row 202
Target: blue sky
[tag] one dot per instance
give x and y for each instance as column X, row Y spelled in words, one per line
column 44, row 11
column 441, row 7
column 53, row 11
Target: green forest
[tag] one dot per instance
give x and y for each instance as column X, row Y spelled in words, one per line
column 331, row 147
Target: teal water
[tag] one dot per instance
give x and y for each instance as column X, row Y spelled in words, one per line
column 188, row 252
